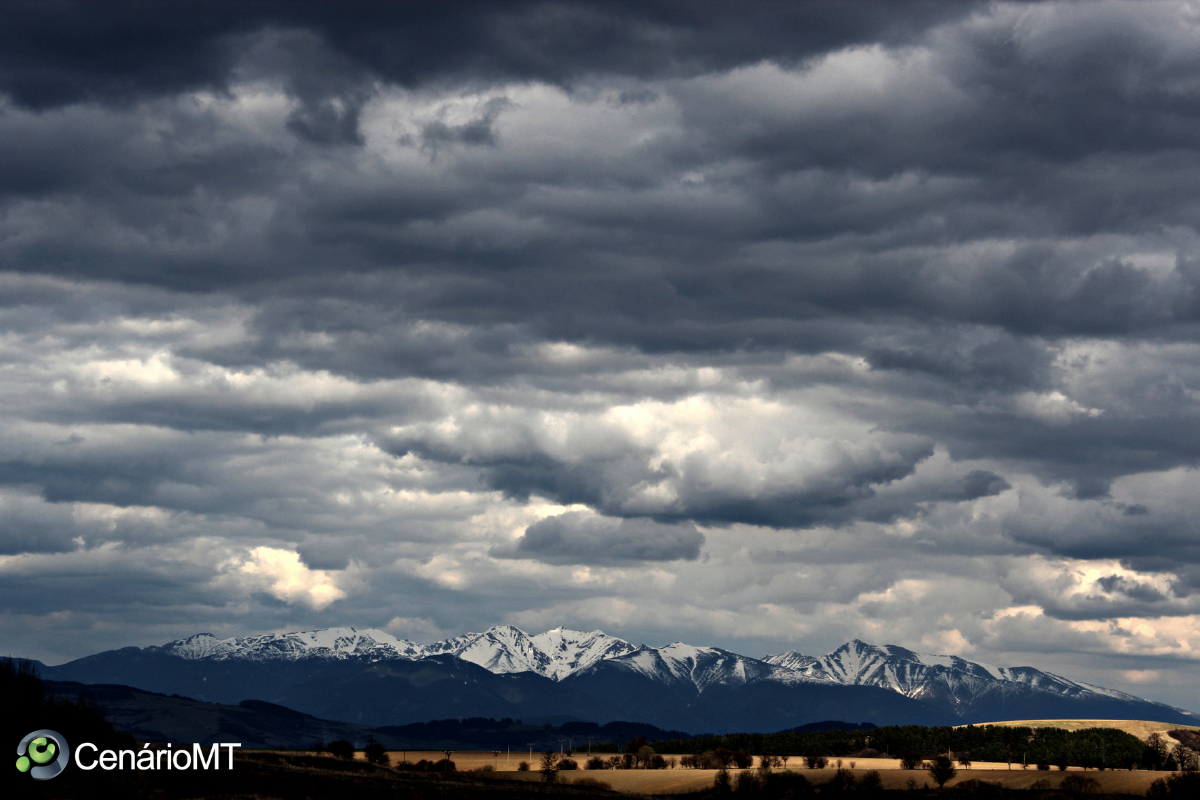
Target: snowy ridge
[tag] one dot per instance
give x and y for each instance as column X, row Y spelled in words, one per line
column 948, row 678
column 336, row 643
column 702, row 667
column 500, row 649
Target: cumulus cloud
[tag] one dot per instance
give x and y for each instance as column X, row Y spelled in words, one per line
column 285, row 577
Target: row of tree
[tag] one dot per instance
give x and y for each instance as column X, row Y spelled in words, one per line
column 1098, row 748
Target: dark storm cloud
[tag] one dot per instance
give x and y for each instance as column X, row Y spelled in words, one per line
column 325, row 307
column 62, row 52
column 576, row 538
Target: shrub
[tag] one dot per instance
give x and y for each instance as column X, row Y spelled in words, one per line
column 425, row 765
column 1080, row 784
column 721, row 782
column 941, row 769
column 340, row 748
column 870, row 783
column 550, row 766
column 376, row 754
column 1176, row 787
column 595, row 762
column 595, row 784
column 568, row 763
column 742, row 760
column 911, row 761
column 815, row 762
column 983, row 789
column 747, row 782
column 791, row 785
column 523, row 766
column 656, row 762
column 841, row 783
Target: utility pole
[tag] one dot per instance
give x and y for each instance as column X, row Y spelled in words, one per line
column 530, row 752
column 495, row 759
column 589, row 745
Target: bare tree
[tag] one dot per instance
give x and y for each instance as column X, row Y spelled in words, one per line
column 1186, row 758
column 1158, row 745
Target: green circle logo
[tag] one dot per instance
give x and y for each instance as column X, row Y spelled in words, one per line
column 43, row 754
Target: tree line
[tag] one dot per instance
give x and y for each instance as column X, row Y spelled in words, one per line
column 1043, row 748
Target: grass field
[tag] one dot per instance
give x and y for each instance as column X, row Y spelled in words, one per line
column 687, row 780
column 679, row 780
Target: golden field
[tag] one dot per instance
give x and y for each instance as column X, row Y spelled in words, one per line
column 670, row 781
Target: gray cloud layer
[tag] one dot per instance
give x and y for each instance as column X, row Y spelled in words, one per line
column 575, row 538
column 761, row 326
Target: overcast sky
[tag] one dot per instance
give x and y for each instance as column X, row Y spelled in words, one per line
column 759, row 326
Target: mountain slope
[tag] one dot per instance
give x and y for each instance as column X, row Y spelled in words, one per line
column 704, row 667
column 966, row 688
column 153, row 717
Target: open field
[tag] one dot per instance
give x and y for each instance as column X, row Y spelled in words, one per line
column 670, row 781
column 1139, row 728
column 686, row 780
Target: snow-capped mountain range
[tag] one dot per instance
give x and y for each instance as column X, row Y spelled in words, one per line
column 920, row 677
column 367, row 676
column 561, row 653
column 501, row 649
